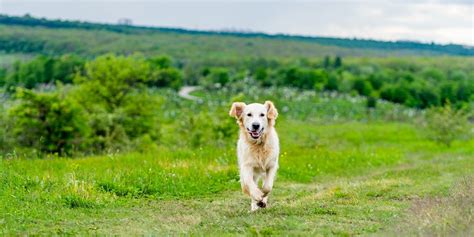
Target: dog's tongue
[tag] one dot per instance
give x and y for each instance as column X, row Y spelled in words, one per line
column 255, row 134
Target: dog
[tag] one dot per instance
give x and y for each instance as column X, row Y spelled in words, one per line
column 257, row 149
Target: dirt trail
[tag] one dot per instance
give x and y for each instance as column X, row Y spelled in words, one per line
column 185, row 90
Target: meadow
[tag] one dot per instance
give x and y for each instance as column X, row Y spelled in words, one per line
column 376, row 137
column 337, row 177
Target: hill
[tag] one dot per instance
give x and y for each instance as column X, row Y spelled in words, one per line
column 34, row 35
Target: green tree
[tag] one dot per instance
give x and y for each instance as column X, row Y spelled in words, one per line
column 216, row 77
column 166, row 77
column 113, row 92
column 109, row 79
column 376, row 81
column 338, row 62
column 363, row 87
column 332, row 83
column 327, row 61
column 446, row 124
column 49, row 122
column 448, row 93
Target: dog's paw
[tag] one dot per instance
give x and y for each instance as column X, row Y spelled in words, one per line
column 266, row 191
column 262, row 204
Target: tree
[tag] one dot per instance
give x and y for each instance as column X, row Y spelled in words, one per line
column 447, row 124
column 362, row 87
column 166, row 77
column 109, row 79
column 332, row 83
column 338, row 62
column 112, row 90
column 428, row 97
column 376, row 81
column 448, row 93
column 216, row 77
column 371, row 102
column 44, row 69
column 49, row 122
column 3, row 75
column 327, row 61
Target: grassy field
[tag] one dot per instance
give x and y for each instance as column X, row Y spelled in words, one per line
column 347, row 178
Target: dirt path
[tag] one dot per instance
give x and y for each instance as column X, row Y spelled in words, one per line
column 185, row 90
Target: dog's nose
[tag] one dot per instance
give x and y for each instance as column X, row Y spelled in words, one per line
column 255, row 125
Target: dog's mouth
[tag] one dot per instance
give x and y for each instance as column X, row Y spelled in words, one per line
column 255, row 134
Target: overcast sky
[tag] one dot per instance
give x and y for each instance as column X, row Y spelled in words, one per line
column 440, row 21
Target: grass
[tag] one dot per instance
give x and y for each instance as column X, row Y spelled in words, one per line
column 335, row 179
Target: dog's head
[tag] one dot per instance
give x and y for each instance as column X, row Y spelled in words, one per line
column 254, row 118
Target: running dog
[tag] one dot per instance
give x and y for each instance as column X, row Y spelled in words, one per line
column 257, row 149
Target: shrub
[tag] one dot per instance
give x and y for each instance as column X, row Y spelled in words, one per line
column 332, row 83
column 166, row 77
column 446, row 124
column 362, row 87
column 427, row 97
column 303, row 78
column 371, row 102
column 261, row 75
column 49, row 122
column 113, row 93
column 44, row 69
column 376, row 81
column 6, row 140
column 3, row 75
column 216, row 77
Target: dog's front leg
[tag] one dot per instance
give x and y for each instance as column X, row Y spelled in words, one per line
column 268, row 183
column 250, row 187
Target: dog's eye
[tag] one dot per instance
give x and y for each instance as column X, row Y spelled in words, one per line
column 249, row 114
column 262, row 115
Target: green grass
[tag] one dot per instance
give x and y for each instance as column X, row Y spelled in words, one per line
column 335, row 179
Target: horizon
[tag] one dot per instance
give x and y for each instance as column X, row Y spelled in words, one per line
column 237, row 31
column 438, row 22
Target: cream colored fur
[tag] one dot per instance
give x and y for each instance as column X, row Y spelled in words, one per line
column 257, row 156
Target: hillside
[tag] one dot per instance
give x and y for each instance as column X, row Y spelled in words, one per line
column 33, row 35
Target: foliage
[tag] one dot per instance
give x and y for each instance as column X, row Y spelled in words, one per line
column 113, row 93
column 215, row 78
column 42, row 70
column 49, row 122
column 447, row 124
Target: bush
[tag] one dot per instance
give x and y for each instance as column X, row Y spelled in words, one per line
column 49, row 122
column 163, row 74
column 44, row 70
column 113, row 93
column 216, row 77
column 363, row 87
column 167, row 77
column 371, row 102
column 332, row 83
column 303, row 78
column 6, row 140
column 447, row 124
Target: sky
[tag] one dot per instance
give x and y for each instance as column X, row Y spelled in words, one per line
column 439, row 21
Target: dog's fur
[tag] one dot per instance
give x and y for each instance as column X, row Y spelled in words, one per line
column 257, row 149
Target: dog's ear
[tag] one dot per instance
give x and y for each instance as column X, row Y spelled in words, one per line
column 272, row 112
column 237, row 109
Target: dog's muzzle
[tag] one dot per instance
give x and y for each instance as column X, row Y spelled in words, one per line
column 255, row 134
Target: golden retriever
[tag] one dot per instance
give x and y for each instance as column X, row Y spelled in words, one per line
column 257, row 149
